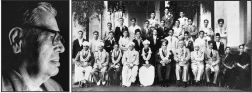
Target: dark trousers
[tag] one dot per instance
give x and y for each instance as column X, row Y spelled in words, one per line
column 167, row 70
column 114, row 75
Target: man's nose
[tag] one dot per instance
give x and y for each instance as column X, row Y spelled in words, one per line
column 60, row 47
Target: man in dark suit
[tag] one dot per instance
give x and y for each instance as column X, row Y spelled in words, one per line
column 146, row 30
column 138, row 41
column 154, row 44
column 189, row 45
column 188, row 41
column 119, row 29
column 77, row 44
column 109, row 43
column 162, row 30
column 219, row 45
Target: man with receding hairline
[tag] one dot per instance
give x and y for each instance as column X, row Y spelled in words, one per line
column 37, row 44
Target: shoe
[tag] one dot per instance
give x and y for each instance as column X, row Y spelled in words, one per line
column 178, row 83
column 103, row 82
column 184, row 84
column 99, row 83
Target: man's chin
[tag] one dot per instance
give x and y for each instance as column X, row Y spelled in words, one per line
column 54, row 73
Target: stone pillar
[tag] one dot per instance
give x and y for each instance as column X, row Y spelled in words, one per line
column 205, row 13
column 105, row 19
column 157, row 10
column 249, row 43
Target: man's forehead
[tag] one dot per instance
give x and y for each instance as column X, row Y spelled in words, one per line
column 48, row 21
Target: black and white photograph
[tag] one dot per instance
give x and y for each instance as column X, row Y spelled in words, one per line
column 157, row 46
column 35, row 45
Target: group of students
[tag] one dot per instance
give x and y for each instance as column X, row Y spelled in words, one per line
column 160, row 54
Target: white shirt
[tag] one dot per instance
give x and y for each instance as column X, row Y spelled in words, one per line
column 94, row 44
column 153, row 22
column 183, row 21
column 172, row 43
column 208, row 31
column 132, row 31
column 218, row 45
column 221, row 30
column 177, row 31
column 155, row 39
column 123, row 42
column 202, row 42
column 80, row 41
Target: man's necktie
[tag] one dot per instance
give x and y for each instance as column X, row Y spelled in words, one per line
column 211, row 54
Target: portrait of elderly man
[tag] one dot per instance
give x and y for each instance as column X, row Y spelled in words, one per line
column 33, row 46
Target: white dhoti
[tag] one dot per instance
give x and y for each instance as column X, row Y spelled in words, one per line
column 82, row 73
column 146, row 75
column 129, row 75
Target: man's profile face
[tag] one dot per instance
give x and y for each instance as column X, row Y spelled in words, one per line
column 48, row 53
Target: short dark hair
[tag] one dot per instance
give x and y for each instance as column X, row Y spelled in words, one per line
column 164, row 41
column 111, row 32
column 161, row 21
column 133, row 19
column 217, row 34
column 242, row 45
column 146, row 21
column 137, row 30
column 210, row 42
column 220, row 20
column 171, row 30
column 95, row 32
column 227, row 47
column 80, row 31
column 186, row 32
column 201, row 31
column 109, row 23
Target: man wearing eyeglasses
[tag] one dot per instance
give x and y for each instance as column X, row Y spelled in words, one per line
column 37, row 45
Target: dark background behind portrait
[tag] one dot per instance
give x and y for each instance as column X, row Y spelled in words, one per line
column 9, row 20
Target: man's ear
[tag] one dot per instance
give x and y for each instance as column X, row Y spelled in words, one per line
column 15, row 36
